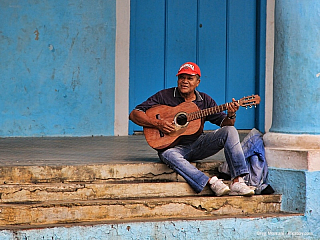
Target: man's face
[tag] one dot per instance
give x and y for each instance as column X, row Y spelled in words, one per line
column 187, row 83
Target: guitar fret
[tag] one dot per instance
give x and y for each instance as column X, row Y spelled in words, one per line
column 203, row 113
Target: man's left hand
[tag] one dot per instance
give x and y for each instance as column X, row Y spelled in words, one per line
column 233, row 107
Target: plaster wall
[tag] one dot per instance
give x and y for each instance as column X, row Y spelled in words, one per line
column 297, row 68
column 57, row 67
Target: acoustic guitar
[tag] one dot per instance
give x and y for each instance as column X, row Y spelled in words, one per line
column 187, row 119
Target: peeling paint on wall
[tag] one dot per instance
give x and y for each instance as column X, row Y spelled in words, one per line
column 36, row 32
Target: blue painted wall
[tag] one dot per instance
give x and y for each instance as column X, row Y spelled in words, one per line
column 57, row 67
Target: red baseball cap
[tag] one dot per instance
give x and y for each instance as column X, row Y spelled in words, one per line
column 189, row 68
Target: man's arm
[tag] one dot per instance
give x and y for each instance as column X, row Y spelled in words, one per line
column 142, row 119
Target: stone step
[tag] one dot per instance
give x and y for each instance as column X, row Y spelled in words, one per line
column 21, row 193
column 107, row 185
column 35, row 196
column 111, row 172
column 63, row 212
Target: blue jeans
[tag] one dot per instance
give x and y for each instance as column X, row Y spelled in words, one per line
column 254, row 153
column 179, row 157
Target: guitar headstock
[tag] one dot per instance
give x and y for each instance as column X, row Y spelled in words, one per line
column 249, row 101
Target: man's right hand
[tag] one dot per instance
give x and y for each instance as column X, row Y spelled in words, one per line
column 165, row 126
column 140, row 118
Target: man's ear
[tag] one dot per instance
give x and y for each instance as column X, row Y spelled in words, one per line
column 199, row 80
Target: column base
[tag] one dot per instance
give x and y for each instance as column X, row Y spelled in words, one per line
column 292, row 151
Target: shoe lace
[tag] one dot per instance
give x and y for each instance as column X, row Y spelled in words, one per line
column 218, row 182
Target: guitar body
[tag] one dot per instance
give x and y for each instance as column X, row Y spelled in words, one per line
column 187, row 119
column 159, row 140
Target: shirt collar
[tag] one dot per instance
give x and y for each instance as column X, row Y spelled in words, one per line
column 176, row 93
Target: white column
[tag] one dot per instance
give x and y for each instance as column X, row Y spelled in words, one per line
column 122, row 67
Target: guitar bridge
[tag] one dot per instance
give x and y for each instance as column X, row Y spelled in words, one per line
column 161, row 133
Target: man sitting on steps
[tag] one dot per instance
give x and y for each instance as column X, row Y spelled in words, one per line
column 197, row 147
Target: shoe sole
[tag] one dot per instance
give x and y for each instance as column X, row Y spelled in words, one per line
column 225, row 192
column 242, row 194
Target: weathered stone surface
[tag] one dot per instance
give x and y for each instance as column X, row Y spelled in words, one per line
column 48, row 195
column 86, row 173
column 93, row 191
column 94, row 173
column 159, row 208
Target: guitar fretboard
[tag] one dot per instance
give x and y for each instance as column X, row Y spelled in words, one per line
column 206, row 112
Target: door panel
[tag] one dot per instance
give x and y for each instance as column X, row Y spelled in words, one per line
column 212, row 50
column 181, row 39
column 241, row 56
column 147, row 51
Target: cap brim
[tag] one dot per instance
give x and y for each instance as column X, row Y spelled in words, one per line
column 182, row 72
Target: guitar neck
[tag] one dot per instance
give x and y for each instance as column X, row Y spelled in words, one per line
column 206, row 112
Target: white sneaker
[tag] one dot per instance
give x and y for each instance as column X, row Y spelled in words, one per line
column 218, row 187
column 241, row 189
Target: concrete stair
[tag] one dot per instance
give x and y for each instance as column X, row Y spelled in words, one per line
column 35, row 196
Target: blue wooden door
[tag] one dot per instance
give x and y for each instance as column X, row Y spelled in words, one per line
column 219, row 35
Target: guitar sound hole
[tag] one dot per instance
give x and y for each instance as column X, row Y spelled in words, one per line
column 181, row 119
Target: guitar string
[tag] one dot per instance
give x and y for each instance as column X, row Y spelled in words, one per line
column 205, row 112
column 209, row 111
